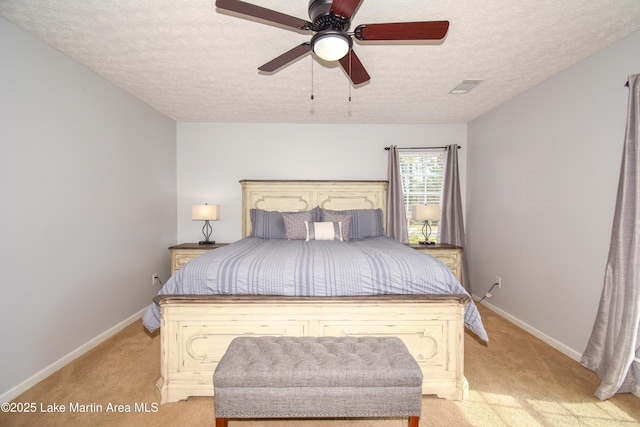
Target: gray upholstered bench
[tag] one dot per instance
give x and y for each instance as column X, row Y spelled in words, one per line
column 317, row 377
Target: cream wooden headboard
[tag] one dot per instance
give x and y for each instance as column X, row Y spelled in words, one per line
column 294, row 196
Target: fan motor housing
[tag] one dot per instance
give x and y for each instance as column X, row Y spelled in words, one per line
column 322, row 18
column 319, row 7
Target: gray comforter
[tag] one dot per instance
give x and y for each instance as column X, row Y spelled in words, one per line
column 372, row 266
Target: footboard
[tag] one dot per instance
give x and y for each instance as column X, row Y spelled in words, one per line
column 196, row 331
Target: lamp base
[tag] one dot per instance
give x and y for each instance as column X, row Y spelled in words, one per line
column 207, row 242
column 427, row 243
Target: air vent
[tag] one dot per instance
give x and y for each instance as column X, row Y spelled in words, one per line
column 465, row 86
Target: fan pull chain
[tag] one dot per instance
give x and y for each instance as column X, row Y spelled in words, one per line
column 312, row 77
column 349, row 76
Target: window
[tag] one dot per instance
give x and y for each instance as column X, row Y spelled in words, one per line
column 422, row 175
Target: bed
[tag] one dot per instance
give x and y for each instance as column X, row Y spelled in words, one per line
column 251, row 288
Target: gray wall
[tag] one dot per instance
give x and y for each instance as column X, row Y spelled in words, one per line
column 87, row 207
column 542, row 179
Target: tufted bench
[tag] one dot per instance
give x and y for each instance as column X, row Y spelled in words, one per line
column 317, row 377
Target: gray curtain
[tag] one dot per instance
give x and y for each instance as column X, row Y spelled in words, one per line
column 614, row 340
column 396, row 215
column 452, row 224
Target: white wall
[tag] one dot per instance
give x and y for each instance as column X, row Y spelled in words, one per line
column 87, row 206
column 213, row 157
column 542, row 180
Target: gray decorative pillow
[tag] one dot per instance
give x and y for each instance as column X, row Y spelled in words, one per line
column 336, row 217
column 323, row 231
column 365, row 223
column 294, row 228
column 266, row 224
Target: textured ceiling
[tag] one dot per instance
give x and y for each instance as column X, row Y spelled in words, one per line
column 193, row 62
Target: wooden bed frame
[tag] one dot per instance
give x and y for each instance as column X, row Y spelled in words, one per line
column 196, row 330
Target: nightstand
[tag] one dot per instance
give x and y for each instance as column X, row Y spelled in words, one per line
column 182, row 254
column 450, row 255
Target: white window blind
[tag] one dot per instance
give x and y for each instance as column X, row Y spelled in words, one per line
column 422, row 175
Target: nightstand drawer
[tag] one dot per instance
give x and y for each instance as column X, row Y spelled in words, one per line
column 182, row 254
column 449, row 258
column 450, row 255
column 183, row 257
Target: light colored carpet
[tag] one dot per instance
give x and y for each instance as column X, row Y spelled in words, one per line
column 515, row 380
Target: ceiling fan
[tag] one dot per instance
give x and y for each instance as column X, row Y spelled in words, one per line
column 330, row 21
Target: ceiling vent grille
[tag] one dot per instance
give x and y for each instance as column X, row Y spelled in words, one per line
column 465, row 86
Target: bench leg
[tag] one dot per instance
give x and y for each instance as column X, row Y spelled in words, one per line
column 413, row 421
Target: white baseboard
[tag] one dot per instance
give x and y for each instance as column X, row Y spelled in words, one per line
column 573, row 354
column 33, row 380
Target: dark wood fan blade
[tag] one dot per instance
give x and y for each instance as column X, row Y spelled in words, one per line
column 263, row 13
column 354, row 68
column 434, row 30
column 286, row 58
column 345, row 8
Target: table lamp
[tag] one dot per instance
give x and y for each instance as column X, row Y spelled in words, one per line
column 426, row 213
column 206, row 213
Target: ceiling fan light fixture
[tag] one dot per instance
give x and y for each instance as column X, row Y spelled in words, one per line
column 331, row 45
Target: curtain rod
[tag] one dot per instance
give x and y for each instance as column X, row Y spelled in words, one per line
column 420, row 148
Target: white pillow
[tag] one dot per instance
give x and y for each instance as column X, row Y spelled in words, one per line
column 323, row 230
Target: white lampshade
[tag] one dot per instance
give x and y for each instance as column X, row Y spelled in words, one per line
column 205, row 212
column 330, row 46
column 426, row 213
